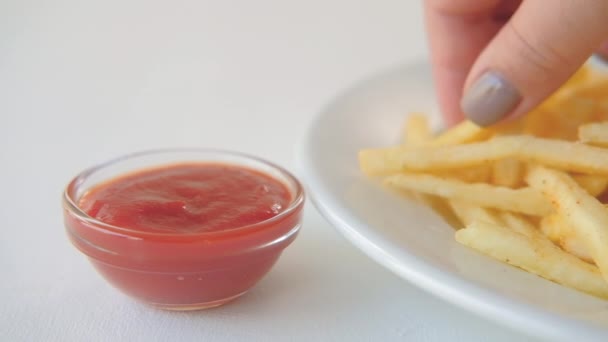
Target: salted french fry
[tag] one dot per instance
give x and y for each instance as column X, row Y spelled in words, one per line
column 508, row 127
column 559, row 116
column 583, row 213
column 564, row 155
column 526, row 191
column 551, row 226
column 580, row 77
column 555, row 229
column 464, row 132
column 594, row 133
column 386, row 161
column 602, row 107
column 508, row 172
column 562, row 121
column 474, row 174
column 594, row 184
column 595, row 89
column 468, row 213
column 525, row 200
column 417, row 130
column 535, row 255
column 520, row 225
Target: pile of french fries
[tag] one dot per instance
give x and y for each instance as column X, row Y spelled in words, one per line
column 529, row 192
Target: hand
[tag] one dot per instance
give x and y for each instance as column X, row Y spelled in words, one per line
column 494, row 59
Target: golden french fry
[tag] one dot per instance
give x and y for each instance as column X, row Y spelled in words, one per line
column 554, row 117
column 602, row 107
column 469, row 213
column 535, row 255
column 464, row 132
column 594, row 133
column 525, row 200
column 595, row 89
column 476, row 179
column 594, row 184
column 555, row 229
column 551, row 226
column 508, row 127
column 508, row 172
column 559, row 154
column 582, row 212
column 580, row 77
column 564, row 155
column 561, row 122
column 475, row 174
column 520, row 225
column 417, row 130
column 386, row 161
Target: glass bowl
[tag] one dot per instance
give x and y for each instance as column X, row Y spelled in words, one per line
column 181, row 271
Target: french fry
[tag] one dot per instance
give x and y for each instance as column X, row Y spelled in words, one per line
column 508, row 172
column 594, row 184
column 526, row 191
column 595, row 89
column 552, row 226
column 602, row 107
column 580, row 77
column 525, row 200
column 464, row 132
column 508, row 127
column 417, row 130
column 564, row 155
column 520, row 225
column 386, row 161
column 582, row 212
column 594, row 134
column 556, row 230
column 475, row 174
column 558, row 122
column 535, row 255
column 468, row 213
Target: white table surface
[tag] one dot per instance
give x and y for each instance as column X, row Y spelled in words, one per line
column 83, row 81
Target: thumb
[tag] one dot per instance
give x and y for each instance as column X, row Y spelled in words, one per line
column 535, row 52
column 603, row 51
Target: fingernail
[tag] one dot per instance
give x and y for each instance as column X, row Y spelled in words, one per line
column 489, row 99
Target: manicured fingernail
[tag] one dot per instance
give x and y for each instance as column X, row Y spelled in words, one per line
column 489, row 99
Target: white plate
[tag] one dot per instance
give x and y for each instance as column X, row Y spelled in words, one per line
column 410, row 239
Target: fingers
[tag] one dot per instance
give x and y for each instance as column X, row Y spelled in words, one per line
column 542, row 45
column 603, row 50
column 458, row 30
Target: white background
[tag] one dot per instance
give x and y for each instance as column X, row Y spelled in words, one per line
column 84, row 81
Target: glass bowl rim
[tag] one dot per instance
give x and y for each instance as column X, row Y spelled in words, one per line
column 70, row 203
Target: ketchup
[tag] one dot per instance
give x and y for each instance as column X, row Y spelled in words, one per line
column 186, row 236
column 188, row 198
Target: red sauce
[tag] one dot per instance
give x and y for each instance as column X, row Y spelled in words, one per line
column 187, row 199
column 187, row 235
